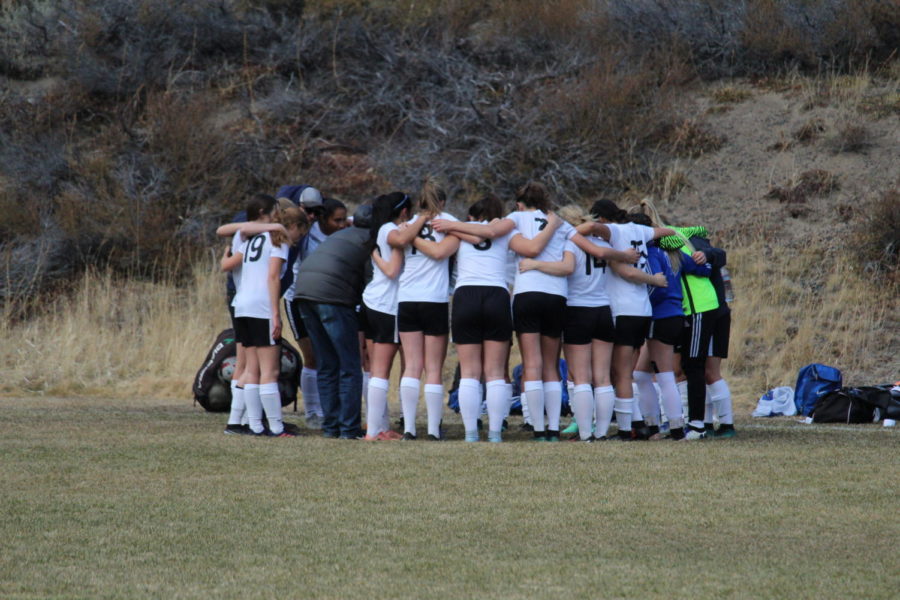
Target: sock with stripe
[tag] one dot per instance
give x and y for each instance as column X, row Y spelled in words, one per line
column 237, row 404
column 309, row 385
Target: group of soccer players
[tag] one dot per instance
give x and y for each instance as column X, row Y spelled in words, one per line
column 631, row 303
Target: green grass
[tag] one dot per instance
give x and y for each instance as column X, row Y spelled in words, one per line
column 147, row 500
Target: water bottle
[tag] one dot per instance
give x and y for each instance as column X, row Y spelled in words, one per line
column 726, row 281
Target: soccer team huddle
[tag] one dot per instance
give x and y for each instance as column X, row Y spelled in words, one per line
column 633, row 305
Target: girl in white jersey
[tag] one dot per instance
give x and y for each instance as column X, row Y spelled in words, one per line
column 423, row 308
column 239, row 233
column 481, row 321
column 630, row 302
column 588, row 331
column 380, row 306
column 539, row 299
column 262, row 260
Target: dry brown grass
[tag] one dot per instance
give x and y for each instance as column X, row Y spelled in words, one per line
column 815, row 182
column 810, row 303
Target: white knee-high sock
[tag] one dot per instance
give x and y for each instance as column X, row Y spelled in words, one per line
column 237, row 404
column 604, row 401
column 553, row 403
column 377, row 395
column 526, row 411
column 409, row 401
column 671, row 399
column 254, row 407
column 270, row 398
column 365, row 387
column 709, row 414
column 534, row 394
column 386, row 417
column 509, row 395
column 583, row 407
column 469, row 403
column 497, row 404
column 434, row 404
column 648, row 401
column 721, row 397
column 309, row 385
column 624, row 411
column 682, row 391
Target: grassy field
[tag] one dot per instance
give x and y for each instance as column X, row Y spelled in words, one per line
column 146, row 498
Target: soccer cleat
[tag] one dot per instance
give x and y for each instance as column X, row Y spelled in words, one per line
column 693, row 435
column 723, row 433
column 408, row 437
column 552, row 436
column 472, row 436
column 572, row 428
column 527, row 427
column 314, row 422
column 505, row 425
column 237, row 429
column 590, row 440
column 283, row 434
column 623, row 436
column 641, row 433
column 390, row 436
column 432, row 438
column 290, row 427
column 494, row 437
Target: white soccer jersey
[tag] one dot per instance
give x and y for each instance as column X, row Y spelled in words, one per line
column 626, row 298
column 381, row 293
column 484, row 263
column 587, row 283
column 252, row 299
column 236, row 243
column 529, row 223
column 424, row 279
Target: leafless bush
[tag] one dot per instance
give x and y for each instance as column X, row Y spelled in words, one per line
column 816, row 182
column 851, row 137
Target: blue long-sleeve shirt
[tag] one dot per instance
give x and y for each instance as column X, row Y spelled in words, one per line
column 667, row 301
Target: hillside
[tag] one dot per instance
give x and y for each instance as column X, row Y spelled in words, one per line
column 129, row 130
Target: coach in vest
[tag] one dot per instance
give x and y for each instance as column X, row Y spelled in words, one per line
column 330, row 283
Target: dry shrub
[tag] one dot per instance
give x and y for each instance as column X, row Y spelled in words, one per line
column 545, row 21
column 730, row 94
column 879, row 235
column 881, row 105
column 771, row 38
column 851, row 137
column 816, row 182
column 691, row 138
column 809, row 131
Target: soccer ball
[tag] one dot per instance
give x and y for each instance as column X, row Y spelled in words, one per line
column 226, row 369
column 219, row 397
column 288, row 362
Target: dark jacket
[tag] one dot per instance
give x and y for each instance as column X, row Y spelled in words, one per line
column 335, row 272
column 717, row 259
